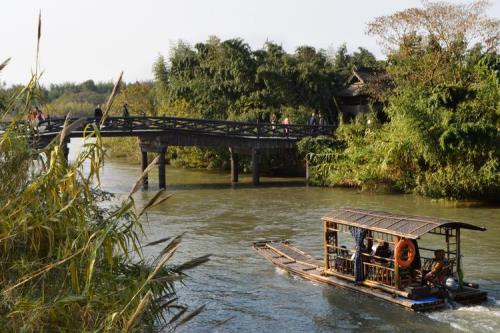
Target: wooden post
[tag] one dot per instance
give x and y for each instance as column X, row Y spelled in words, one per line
column 447, row 236
column 325, row 233
column 396, row 270
column 162, row 178
column 255, row 166
column 144, row 165
column 234, row 165
column 458, row 255
column 335, row 237
column 307, row 170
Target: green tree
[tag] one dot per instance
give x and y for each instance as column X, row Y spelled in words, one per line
column 227, row 80
column 140, row 97
column 443, row 137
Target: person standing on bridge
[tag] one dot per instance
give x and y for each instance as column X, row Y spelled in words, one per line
column 125, row 112
column 39, row 114
column 32, row 118
column 32, row 115
column 98, row 114
column 126, row 115
column 313, row 122
column 321, row 122
column 274, row 120
column 286, row 129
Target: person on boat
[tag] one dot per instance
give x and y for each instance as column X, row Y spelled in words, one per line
column 366, row 247
column 342, row 260
column 383, row 250
column 343, row 252
column 437, row 272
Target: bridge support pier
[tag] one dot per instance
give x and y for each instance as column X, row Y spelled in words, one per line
column 162, row 176
column 255, row 166
column 144, row 165
column 65, row 150
column 234, row 165
column 156, row 146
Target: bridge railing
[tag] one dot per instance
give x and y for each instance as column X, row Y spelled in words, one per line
column 142, row 125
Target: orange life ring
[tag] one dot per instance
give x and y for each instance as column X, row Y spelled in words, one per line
column 399, row 250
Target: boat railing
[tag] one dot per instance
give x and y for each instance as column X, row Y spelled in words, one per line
column 342, row 260
column 376, row 269
column 344, row 265
column 380, row 273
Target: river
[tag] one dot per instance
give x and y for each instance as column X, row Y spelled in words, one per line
column 244, row 292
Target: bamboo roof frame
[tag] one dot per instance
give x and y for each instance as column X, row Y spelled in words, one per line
column 406, row 226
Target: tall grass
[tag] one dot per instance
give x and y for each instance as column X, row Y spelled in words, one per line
column 67, row 263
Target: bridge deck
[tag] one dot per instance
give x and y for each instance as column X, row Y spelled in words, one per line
column 186, row 131
column 157, row 133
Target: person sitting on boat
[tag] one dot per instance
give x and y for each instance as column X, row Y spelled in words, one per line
column 366, row 247
column 342, row 259
column 437, row 274
column 382, row 250
column 344, row 252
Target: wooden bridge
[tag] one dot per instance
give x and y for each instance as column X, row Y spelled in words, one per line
column 157, row 133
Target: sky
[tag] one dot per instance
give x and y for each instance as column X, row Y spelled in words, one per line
column 96, row 40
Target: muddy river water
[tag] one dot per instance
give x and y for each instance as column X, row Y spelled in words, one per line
column 244, row 292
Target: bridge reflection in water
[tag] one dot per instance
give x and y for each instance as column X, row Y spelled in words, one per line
column 157, row 133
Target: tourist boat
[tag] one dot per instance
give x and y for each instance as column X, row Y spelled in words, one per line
column 418, row 243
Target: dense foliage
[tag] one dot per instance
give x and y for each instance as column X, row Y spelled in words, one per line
column 437, row 134
column 61, row 99
column 227, row 80
column 71, row 255
column 443, row 137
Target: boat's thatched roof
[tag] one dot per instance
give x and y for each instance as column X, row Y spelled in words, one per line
column 406, row 226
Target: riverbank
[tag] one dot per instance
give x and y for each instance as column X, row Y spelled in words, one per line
column 331, row 174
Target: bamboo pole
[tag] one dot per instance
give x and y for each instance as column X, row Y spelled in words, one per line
column 144, row 165
column 326, row 256
column 396, row 270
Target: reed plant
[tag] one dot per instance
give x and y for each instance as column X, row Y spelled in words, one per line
column 69, row 259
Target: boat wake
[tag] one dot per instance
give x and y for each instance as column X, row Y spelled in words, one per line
column 477, row 318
